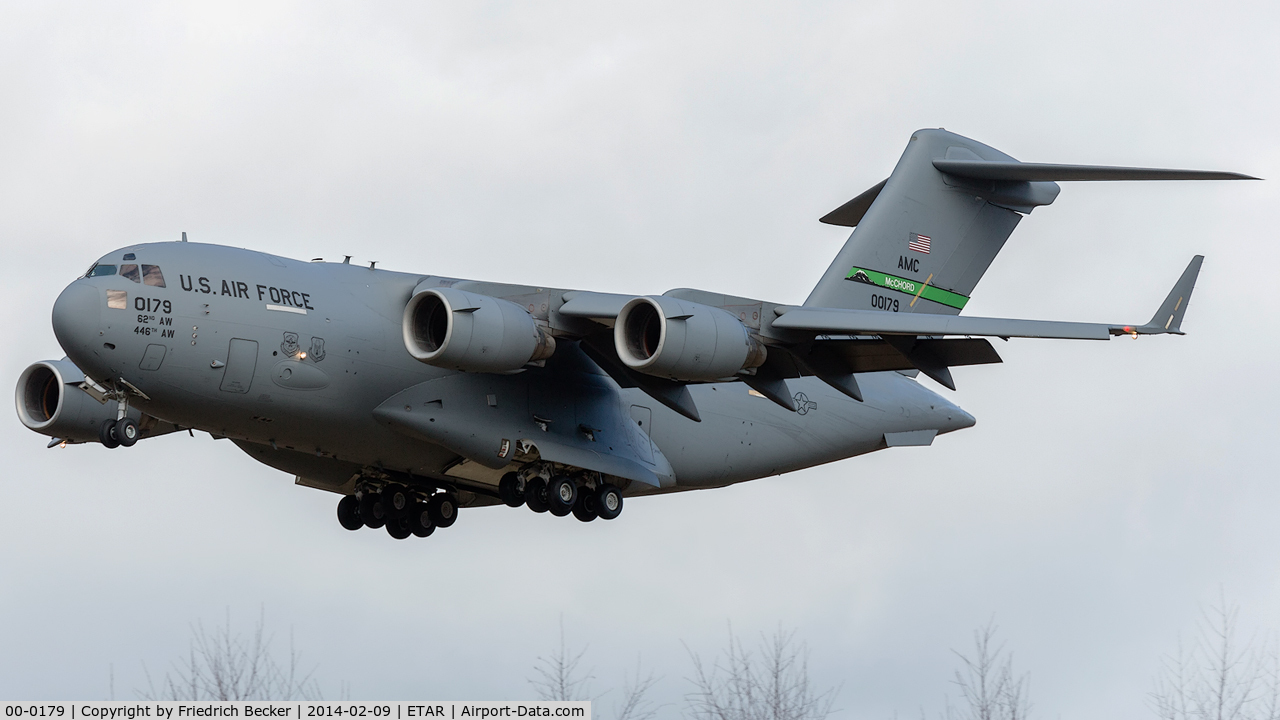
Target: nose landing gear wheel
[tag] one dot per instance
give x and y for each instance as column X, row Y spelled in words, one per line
column 349, row 513
column 509, row 490
column 372, row 512
column 420, row 520
column 443, row 509
column 609, row 501
column 127, row 431
column 562, row 494
column 107, row 434
column 535, row 495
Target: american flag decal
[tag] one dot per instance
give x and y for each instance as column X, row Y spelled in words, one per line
column 919, row 243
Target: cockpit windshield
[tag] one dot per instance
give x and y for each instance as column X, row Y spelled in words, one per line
column 152, row 276
column 145, row 274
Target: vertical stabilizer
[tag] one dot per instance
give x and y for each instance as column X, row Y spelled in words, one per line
column 923, row 239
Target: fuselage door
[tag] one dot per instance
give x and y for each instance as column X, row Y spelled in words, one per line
column 242, row 360
column 643, row 417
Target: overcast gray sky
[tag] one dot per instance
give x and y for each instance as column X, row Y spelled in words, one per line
column 1107, row 493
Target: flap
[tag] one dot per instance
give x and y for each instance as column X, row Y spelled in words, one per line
column 874, row 322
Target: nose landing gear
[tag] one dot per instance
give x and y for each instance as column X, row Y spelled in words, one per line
column 126, row 431
column 107, row 434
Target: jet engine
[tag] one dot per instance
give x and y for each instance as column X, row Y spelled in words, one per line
column 460, row 330
column 51, row 402
column 682, row 340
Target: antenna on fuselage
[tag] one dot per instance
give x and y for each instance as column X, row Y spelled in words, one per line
column 184, row 236
column 375, row 262
column 346, row 259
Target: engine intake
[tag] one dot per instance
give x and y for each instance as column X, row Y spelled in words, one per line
column 51, row 403
column 460, row 330
column 683, row 340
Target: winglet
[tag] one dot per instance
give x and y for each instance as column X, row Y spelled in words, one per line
column 1168, row 319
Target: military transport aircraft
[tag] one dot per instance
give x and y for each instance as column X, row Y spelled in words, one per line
column 414, row 395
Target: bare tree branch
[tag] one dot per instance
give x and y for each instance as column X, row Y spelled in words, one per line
column 222, row 665
column 987, row 683
column 1220, row 677
column 557, row 675
column 635, row 705
column 773, row 686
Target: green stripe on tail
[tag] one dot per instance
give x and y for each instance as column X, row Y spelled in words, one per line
column 907, row 287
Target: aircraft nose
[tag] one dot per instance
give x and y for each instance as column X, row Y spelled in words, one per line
column 77, row 316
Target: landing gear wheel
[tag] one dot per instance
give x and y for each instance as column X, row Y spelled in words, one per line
column 509, row 490
column 588, row 506
column 372, row 512
column 608, row 502
column 396, row 500
column 107, row 434
column 535, row 495
column 349, row 513
column 562, row 493
column 398, row 528
column 127, row 431
column 443, row 509
column 420, row 520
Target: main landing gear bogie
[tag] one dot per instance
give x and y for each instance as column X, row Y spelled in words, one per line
column 406, row 511
column 400, row 510
column 535, row 495
column 509, row 490
column 584, row 495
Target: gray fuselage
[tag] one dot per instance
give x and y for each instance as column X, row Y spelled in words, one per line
column 290, row 359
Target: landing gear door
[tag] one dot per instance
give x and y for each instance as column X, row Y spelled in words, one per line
column 242, row 360
column 644, row 444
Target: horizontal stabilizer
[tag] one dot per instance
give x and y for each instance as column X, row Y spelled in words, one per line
column 850, row 213
column 1039, row 172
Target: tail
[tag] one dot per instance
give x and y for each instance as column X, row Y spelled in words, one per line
column 925, row 236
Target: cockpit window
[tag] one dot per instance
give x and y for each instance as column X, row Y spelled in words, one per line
column 130, row 256
column 130, row 272
column 101, row 270
column 152, row 276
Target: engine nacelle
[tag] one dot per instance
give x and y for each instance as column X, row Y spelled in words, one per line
column 460, row 330
column 51, row 402
column 683, row 340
